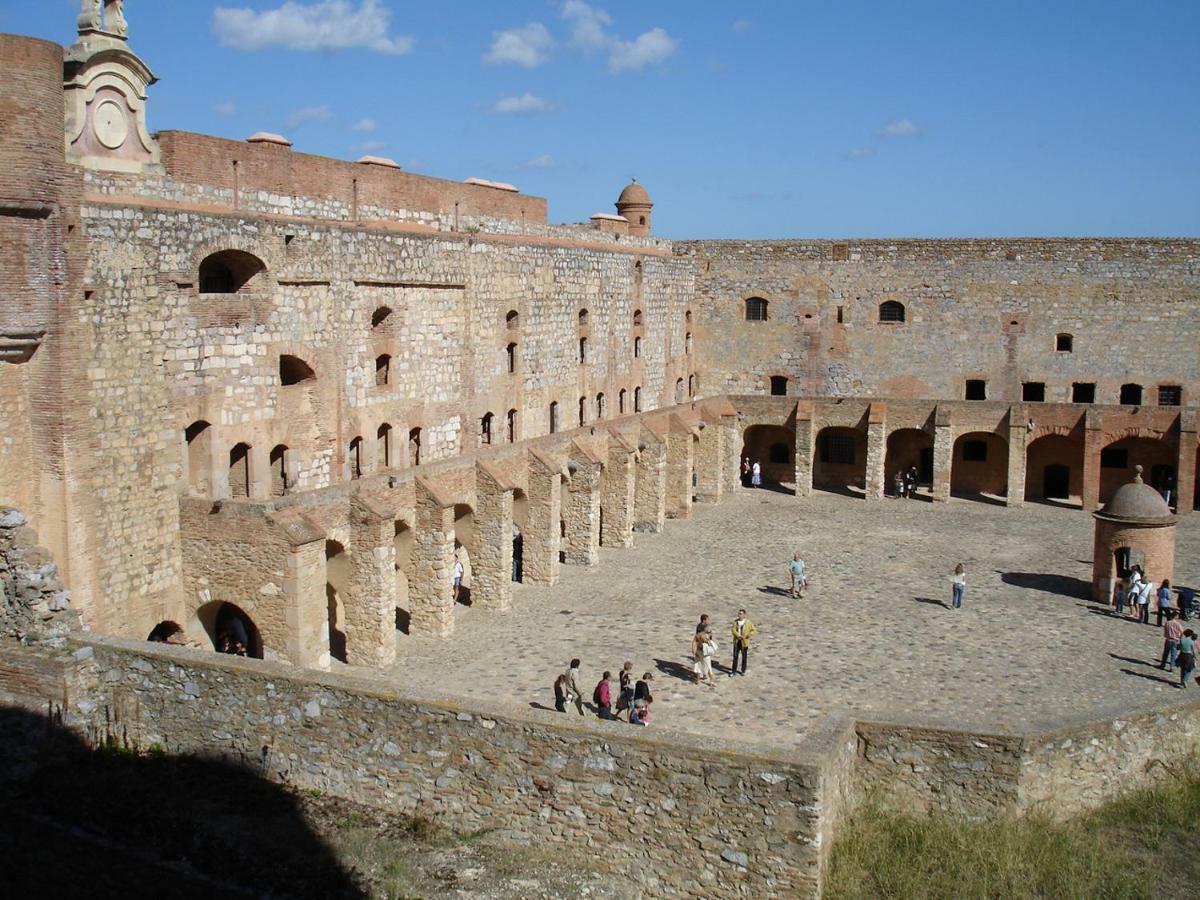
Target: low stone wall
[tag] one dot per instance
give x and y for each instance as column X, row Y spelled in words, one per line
column 683, row 815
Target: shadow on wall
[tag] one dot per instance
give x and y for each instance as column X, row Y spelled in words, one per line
column 112, row 823
column 1050, row 584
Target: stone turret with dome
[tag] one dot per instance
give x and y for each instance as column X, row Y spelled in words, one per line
column 1135, row 527
column 635, row 206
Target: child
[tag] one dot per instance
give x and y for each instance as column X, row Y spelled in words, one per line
column 958, row 585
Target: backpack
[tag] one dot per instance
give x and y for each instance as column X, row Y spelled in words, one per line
column 596, row 695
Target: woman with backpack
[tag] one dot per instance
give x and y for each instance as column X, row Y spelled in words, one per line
column 1186, row 658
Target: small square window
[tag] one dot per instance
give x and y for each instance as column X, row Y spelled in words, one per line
column 976, row 389
column 1083, row 392
column 1064, row 343
column 1170, row 395
column 1033, row 392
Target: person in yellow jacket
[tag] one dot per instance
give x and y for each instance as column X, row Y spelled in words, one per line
column 742, row 629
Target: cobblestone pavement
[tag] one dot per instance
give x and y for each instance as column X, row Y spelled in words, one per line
column 873, row 636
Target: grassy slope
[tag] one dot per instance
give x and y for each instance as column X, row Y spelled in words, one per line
column 1146, row 845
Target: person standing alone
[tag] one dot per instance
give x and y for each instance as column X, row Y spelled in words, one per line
column 743, row 629
column 958, row 585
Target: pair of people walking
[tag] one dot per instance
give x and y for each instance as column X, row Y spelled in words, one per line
column 704, row 648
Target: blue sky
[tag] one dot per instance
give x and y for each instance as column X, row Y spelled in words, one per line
column 749, row 119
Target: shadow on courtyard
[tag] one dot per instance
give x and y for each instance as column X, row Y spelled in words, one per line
column 674, row 669
column 1161, row 679
column 1065, row 585
column 930, row 601
column 114, row 823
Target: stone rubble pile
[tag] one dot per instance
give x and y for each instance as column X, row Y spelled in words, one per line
column 36, row 606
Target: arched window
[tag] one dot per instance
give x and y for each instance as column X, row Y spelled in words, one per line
column 1131, row 395
column 511, row 350
column 239, row 471
column 198, row 436
column 891, row 311
column 687, row 343
column 637, row 399
column 383, row 446
column 512, row 321
column 383, row 365
column 279, row 470
column 414, row 447
column 779, row 384
column 380, row 316
column 512, row 426
column 691, row 385
column 637, row 348
column 756, row 310
column 228, row 271
column 621, row 402
column 637, row 318
column 599, row 406
column 583, row 318
column 582, row 350
column 1064, row 343
column 678, row 390
column 554, row 417
column 485, row 429
column 294, row 370
column 687, row 318
column 582, row 411
column 356, row 460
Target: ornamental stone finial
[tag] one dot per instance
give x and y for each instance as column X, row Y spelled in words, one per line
column 1137, row 478
column 107, row 16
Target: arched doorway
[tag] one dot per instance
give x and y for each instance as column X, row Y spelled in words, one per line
column 228, row 626
column 337, row 579
column 841, row 461
column 1158, row 458
column 403, row 544
column 1054, row 470
column 773, row 447
column 464, row 549
column 166, row 633
column 979, row 466
column 520, row 516
column 908, row 447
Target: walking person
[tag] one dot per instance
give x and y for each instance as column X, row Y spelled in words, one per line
column 602, row 697
column 898, row 484
column 459, row 572
column 743, row 630
column 796, row 569
column 642, row 701
column 756, row 475
column 1164, row 600
column 575, row 695
column 958, row 586
column 1172, row 632
column 704, row 648
column 745, row 471
column 1120, row 592
column 1145, row 592
column 911, row 485
column 1186, row 657
column 560, row 692
column 1135, row 585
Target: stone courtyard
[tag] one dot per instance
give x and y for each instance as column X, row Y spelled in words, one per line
column 873, row 637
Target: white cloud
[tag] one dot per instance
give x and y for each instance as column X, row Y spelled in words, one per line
column 742, row 25
column 651, row 47
column 545, row 161
column 527, row 46
column 525, row 105
column 900, row 128
column 365, row 125
column 306, row 114
column 324, row 25
column 228, row 109
column 860, row 153
column 587, row 23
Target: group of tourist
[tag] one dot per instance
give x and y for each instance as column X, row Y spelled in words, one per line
column 1179, row 647
column 633, row 698
column 1138, row 594
column 751, row 473
column 904, row 483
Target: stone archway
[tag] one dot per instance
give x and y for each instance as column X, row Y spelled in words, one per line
column 520, row 513
column 979, row 467
column 465, row 547
column 773, row 447
column 403, row 544
column 1054, row 470
column 227, row 625
column 840, row 463
column 908, row 447
column 337, row 579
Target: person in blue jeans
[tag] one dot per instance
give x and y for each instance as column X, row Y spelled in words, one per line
column 1186, row 657
column 1164, row 600
column 958, row 585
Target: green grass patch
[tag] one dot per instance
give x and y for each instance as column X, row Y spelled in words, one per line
column 1144, row 845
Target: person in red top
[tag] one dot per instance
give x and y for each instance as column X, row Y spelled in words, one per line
column 1172, row 632
column 603, row 697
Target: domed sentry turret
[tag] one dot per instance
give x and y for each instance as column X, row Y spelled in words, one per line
column 635, row 206
column 1135, row 528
